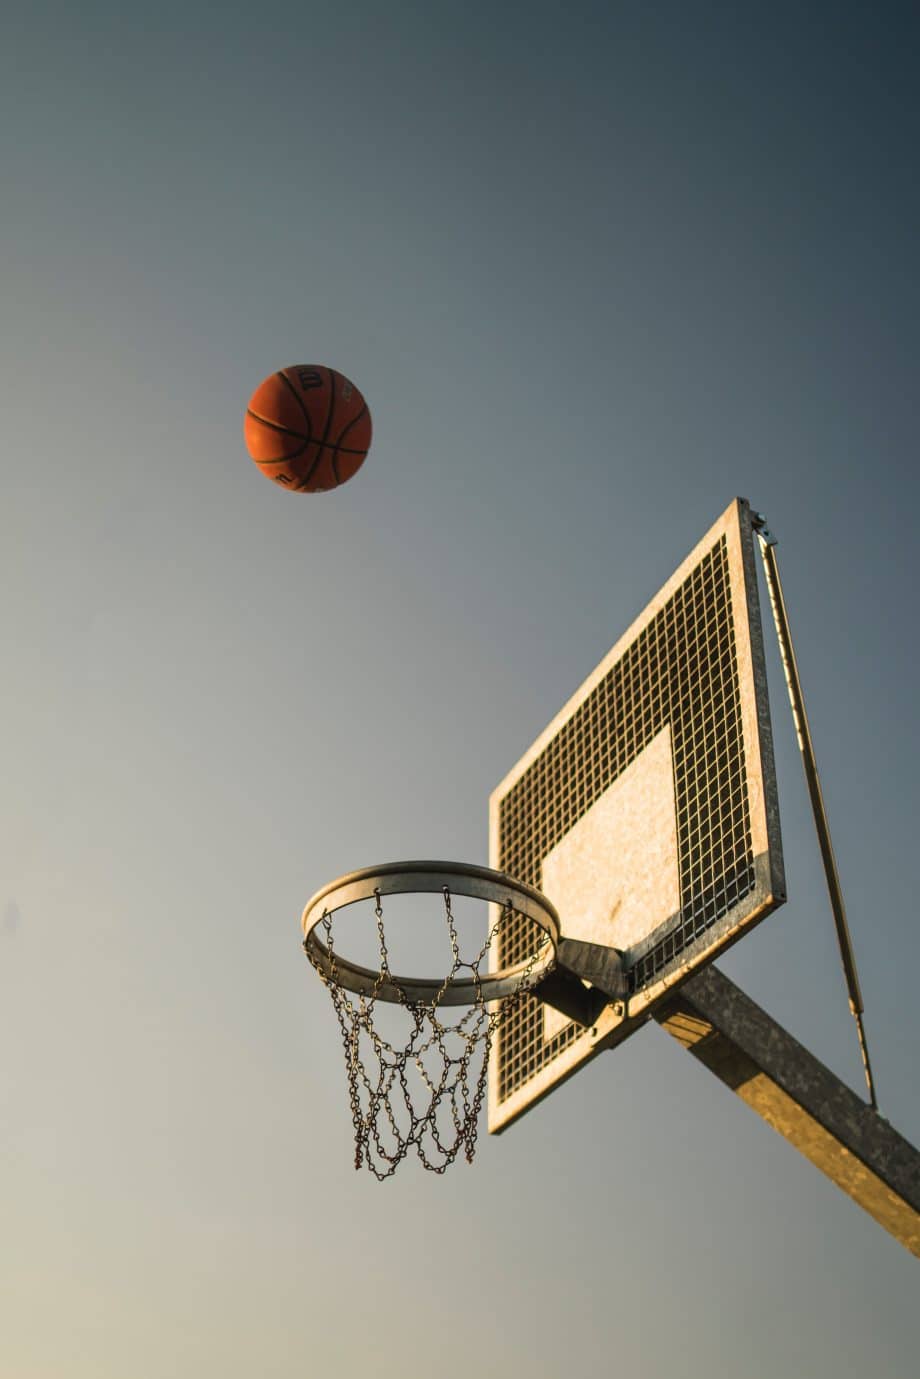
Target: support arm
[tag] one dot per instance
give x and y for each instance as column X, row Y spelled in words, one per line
column 800, row 1098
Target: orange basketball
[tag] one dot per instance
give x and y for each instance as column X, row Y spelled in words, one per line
column 307, row 428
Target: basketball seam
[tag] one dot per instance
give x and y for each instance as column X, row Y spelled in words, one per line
column 298, row 435
column 342, row 449
column 322, row 444
column 298, row 399
column 285, row 430
column 283, row 459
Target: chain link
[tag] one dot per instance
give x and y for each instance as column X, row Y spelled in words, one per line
column 449, row 1087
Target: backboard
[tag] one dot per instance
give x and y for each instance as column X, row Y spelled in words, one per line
column 647, row 810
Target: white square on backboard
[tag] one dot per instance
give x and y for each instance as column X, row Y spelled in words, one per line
column 613, row 877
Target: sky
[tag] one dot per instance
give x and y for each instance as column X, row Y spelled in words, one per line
column 597, row 269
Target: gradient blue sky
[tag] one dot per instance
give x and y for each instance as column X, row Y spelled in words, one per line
column 597, row 268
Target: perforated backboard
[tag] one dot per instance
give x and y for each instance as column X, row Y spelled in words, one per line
column 647, row 810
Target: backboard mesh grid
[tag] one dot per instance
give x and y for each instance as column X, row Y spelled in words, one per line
column 681, row 672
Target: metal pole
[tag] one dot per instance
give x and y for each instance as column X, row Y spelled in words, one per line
column 803, row 733
column 798, row 1097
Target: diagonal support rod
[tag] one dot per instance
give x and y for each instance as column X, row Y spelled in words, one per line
column 812, row 779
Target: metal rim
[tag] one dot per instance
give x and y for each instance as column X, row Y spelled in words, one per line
column 460, row 878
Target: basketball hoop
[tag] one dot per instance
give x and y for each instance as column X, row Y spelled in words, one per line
column 425, row 1095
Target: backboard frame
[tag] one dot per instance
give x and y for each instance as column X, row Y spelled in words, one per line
column 716, row 582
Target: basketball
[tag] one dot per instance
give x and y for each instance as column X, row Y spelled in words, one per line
column 308, row 428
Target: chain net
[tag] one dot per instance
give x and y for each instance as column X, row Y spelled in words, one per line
column 426, row 1095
